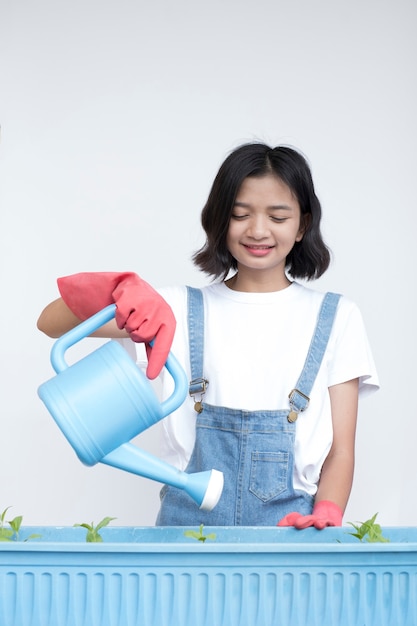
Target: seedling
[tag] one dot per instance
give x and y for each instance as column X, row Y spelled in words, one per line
column 6, row 534
column 369, row 530
column 12, row 533
column 93, row 535
column 199, row 534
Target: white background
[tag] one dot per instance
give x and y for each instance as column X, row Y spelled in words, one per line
column 115, row 117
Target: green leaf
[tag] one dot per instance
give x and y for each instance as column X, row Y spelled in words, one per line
column 87, row 526
column 16, row 523
column 212, row 536
column 192, row 533
column 12, row 533
column 6, row 534
column 3, row 515
column 33, row 536
column 105, row 522
column 93, row 535
column 369, row 530
column 357, row 535
column 199, row 535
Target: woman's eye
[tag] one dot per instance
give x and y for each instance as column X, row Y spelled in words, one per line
column 279, row 220
column 238, row 217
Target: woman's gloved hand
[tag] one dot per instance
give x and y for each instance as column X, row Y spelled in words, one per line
column 325, row 513
column 140, row 310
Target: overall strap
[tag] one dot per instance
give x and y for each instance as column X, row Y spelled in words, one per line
column 299, row 397
column 198, row 383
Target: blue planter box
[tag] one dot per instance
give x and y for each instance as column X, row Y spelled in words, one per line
column 246, row 577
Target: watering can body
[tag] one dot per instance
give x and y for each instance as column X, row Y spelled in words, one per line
column 104, row 400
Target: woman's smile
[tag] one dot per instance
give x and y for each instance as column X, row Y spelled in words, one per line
column 257, row 250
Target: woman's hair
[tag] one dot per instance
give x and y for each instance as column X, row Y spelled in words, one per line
column 309, row 257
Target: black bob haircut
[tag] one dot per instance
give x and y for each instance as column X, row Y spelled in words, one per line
column 309, row 257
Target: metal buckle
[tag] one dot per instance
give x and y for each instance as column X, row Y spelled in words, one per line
column 295, row 408
column 197, row 386
column 303, row 395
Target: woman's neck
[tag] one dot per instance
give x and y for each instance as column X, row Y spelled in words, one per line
column 257, row 284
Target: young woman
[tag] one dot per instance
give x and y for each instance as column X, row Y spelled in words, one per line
column 275, row 368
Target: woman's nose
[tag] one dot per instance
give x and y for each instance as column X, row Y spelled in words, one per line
column 258, row 227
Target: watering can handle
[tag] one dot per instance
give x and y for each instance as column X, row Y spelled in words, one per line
column 90, row 325
column 77, row 333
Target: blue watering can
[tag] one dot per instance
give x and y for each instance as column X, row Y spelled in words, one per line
column 104, row 400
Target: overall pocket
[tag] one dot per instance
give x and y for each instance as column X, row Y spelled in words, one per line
column 269, row 474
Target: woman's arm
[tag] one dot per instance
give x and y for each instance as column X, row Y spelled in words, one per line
column 141, row 312
column 337, row 471
column 57, row 319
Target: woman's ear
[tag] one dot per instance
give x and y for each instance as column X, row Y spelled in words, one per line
column 305, row 220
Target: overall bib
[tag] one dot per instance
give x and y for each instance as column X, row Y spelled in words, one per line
column 253, row 449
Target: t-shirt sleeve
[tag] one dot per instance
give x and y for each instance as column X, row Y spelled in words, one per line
column 351, row 352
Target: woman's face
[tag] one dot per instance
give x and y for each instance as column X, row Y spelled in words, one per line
column 264, row 226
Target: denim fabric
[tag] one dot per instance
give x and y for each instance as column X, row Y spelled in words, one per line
column 253, row 449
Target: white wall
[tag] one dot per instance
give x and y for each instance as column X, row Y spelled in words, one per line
column 115, row 117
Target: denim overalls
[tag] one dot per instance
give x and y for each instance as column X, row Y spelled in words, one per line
column 253, row 449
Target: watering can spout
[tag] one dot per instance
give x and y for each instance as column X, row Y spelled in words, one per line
column 205, row 488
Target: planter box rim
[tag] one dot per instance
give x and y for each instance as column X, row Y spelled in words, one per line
column 144, row 539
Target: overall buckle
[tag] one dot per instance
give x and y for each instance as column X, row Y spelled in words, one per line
column 298, row 403
column 198, row 387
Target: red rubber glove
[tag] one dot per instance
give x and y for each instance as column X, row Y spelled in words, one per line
column 325, row 513
column 141, row 311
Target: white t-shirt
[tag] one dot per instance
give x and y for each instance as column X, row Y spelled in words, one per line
column 254, row 351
